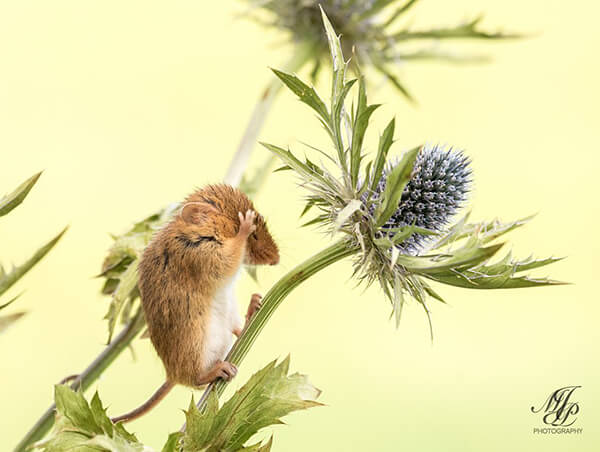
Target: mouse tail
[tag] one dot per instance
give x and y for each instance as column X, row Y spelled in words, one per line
column 147, row 406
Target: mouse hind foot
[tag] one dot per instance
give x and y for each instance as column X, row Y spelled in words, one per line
column 222, row 369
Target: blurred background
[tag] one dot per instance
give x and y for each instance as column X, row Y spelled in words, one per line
column 127, row 106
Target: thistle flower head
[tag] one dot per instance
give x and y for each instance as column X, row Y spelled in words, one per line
column 372, row 30
column 438, row 187
column 389, row 209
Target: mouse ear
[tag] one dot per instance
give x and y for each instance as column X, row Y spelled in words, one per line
column 193, row 212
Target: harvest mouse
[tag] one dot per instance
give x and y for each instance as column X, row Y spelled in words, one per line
column 187, row 278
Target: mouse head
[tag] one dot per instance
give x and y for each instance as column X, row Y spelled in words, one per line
column 213, row 212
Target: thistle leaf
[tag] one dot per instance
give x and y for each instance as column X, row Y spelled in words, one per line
column 396, row 181
column 267, row 396
column 8, row 279
column 359, row 127
column 347, row 212
column 12, row 200
column 306, row 171
column 398, row 302
column 172, row 444
column 305, row 93
column 337, row 58
column 466, row 30
column 385, row 142
column 466, row 257
column 407, row 231
column 486, row 231
column 83, row 426
column 75, row 408
column 127, row 284
column 258, row 447
column 501, row 275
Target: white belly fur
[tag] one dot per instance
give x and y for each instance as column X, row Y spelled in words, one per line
column 223, row 319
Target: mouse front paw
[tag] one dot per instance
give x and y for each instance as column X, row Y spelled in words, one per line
column 247, row 225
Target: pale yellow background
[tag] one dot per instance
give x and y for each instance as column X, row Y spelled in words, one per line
column 128, row 106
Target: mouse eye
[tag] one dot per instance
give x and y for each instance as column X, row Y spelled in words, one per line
column 254, row 237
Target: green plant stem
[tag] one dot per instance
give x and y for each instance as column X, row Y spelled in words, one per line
column 271, row 302
column 88, row 376
column 302, row 54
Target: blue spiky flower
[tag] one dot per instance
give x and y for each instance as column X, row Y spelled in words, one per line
column 439, row 186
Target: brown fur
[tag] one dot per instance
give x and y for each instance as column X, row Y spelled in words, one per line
column 181, row 270
column 183, row 267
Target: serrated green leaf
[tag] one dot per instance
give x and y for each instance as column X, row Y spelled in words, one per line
column 66, row 441
column 395, row 183
column 486, row 231
column 318, row 219
column 359, row 128
column 75, row 408
column 406, row 231
column 304, row 170
column 453, row 232
column 12, row 200
column 432, row 293
column 337, row 58
column 305, row 93
column 99, row 414
column 398, row 301
column 385, row 142
column 282, row 168
column 501, row 275
column 116, row 444
column 347, row 212
column 468, row 257
column 127, row 284
column 85, row 427
column 18, row 272
column 468, row 280
column 173, row 442
column 258, row 447
column 267, row 396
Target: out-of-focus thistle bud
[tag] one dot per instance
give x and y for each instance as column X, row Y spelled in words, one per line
column 439, row 186
column 376, row 32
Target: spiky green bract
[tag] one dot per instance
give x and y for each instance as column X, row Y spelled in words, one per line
column 268, row 395
column 365, row 199
column 7, row 280
column 373, row 30
column 83, row 426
